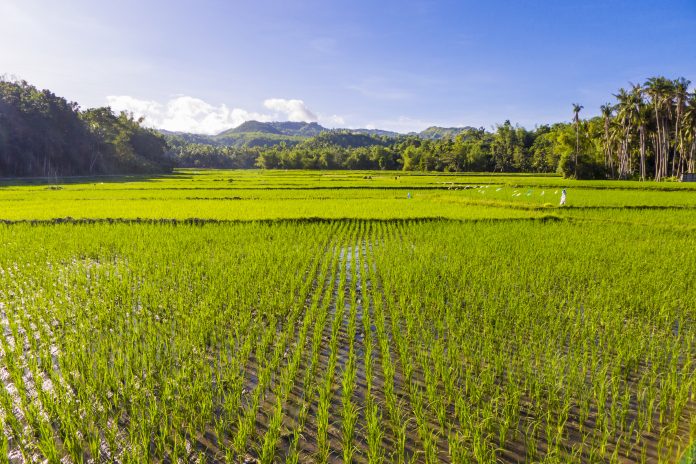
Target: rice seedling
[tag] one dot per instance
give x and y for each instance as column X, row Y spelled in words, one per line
column 398, row 337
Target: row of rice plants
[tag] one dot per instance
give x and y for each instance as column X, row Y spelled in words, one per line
column 361, row 341
column 545, row 353
column 150, row 347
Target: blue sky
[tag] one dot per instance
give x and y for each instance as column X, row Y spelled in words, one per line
column 207, row 65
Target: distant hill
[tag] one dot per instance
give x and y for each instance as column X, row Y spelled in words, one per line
column 438, row 133
column 257, row 133
column 257, row 139
column 377, row 132
column 250, row 126
column 302, row 129
column 344, row 139
column 189, row 137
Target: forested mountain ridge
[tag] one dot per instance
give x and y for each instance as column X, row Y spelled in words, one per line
column 256, row 133
column 44, row 135
column 439, row 133
column 251, row 134
column 303, row 129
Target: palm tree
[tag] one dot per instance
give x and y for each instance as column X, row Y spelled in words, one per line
column 660, row 91
column 607, row 112
column 576, row 122
column 654, row 91
column 640, row 118
column 624, row 116
column 690, row 132
column 681, row 87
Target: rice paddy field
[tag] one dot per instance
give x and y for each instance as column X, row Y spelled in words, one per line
column 367, row 317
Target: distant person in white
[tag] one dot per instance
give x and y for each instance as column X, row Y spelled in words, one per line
column 563, row 197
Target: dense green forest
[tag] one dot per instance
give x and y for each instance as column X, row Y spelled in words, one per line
column 42, row 134
column 649, row 131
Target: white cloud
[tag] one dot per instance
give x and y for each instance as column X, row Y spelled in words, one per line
column 332, row 121
column 294, row 110
column 145, row 108
column 185, row 114
column 189, row 114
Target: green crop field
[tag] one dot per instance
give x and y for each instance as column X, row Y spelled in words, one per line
column 325, row 316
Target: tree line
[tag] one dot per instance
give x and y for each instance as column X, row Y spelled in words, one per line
column 648, row 132
column 43, row 135
column 508, row 148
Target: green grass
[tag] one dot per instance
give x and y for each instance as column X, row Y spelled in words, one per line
column 258, row 209
column 256, row 195
column 324, row 316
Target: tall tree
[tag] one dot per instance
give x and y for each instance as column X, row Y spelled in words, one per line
column 660, row 91
column 681, row 88
column 576, row 122
column 689, row 130
column 640, row 118
column 607, row 113
column 625, row 118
